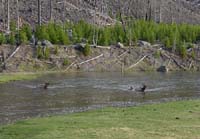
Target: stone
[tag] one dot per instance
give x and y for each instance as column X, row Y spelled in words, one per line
column 79, row 47
column 46, row 43
column 144, row 44
column 119, row 45
column 162, row 69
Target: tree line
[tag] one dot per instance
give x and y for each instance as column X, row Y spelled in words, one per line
column 176, row 37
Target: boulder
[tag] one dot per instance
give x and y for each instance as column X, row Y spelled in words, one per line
column 46, row 43
column 162, row 69
column 144, row 44
column 119, row 45
column 79, row 47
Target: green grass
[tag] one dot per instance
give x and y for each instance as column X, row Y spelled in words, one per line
column 4, row 78
column 174, row 120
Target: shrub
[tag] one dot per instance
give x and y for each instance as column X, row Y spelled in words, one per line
column 56, row 50
column 2, row 39
column 22, row 37
column 46, row 52
column 27, row 29
column 157, row 54
column 167, row 43
column 39, row 52
column 41, row 33
column 183, row 51
column 13, row 27
column 12, row 39
column 53, row 38
column 62, row 37
column 168, row 34
column 193, row 54
column 87, row 50
column 65, row 62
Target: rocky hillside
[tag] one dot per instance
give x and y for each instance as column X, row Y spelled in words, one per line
column 106, row 11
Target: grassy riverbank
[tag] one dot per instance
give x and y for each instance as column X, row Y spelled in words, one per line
column 169, row 120
column 4, row 78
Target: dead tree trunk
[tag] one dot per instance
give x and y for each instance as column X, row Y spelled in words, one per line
column 174, row 45
column 158, row 13
column 149, row 12
column 8, row 16
column 39, row 12
column 64, row 9
column 129, row 24
column 121, row 16
column 17, row 2
column 95, row 33
column 172, row 13
column 2, row 13
column 51, row 10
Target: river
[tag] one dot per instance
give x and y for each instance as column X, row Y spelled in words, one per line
column 77, row 92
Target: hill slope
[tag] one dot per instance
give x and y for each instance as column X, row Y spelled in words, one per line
column 187, row 11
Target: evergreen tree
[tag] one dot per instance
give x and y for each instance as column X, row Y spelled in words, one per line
column 87, row 50
column 27, row 29
column 46, row 53
column 39, row 52
column 53, row 38
column 13, row 27
column 41, row 33
column 12, row 39
column 2, row 39
column 167, row 43
column 23, row 37
column 62, row 36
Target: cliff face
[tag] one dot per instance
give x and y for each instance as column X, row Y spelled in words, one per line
column 187, row 11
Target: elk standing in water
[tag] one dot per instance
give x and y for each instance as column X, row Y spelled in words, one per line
column 46, row 86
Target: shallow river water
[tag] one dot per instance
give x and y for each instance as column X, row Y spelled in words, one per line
column 77, row 92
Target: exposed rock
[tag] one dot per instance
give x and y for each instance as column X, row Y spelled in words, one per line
column 47, row 43
column 162, row 69
column 79, row 46
column 144, row 44
column 119, row 45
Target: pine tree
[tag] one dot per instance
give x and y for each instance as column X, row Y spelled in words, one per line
column 2, row 39
column 167, row 43
column 62, row 36
column 27, row 29
column 12, row 39
column 183, row 50
column 87, row 50
column 39, row 52
column 13, row 27
column 22, row 37
column 53, row 38
column 41, row 33
column 46, row 53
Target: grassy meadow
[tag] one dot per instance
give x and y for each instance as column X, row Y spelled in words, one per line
column 4, row 78
column 172, row 120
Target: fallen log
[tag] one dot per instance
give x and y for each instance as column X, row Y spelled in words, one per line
column 176, row 62
column 90, row 60
column 47, row 62
column 103, row 47
column 6, row 60
column 191, row 65
column 122, row 54
column 70, row 65
column 130, row 67
column 16, row 50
